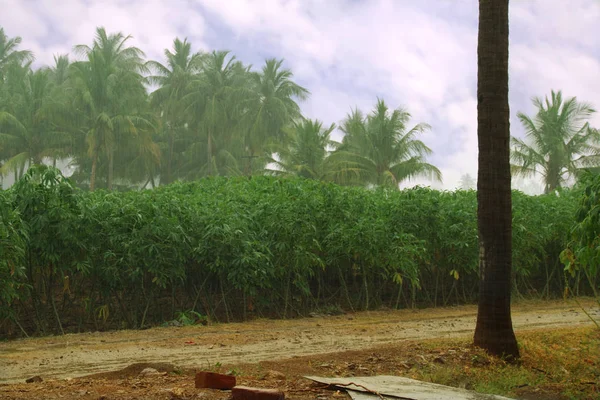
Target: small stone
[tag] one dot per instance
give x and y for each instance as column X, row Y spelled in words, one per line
column 148, row 372
column 34, row 379
column 439, row 360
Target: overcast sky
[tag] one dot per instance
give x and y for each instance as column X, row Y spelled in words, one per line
column 420, row 55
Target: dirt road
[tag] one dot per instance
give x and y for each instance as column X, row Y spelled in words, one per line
column 76, row 355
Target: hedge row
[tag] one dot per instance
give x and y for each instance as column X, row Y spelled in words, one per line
column 234, row 248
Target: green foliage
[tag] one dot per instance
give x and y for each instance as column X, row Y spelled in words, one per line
column 380, row 149
column 235, row 248
column 48, row 204
column 305, row 151
column 190, row 317
column 209, row 114
column 560, row 141
column 13, row 239
column 583, row 252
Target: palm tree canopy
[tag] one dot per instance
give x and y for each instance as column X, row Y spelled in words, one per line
column 211, row 101
column 207, row 114
column 28, row 130
column 271, row 105
column 305, row 151
column 559, row 142
column 379, row 149
column 174, row 78
column 9, row 53
column 110, row 97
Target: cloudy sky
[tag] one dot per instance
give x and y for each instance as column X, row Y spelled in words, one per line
column 420, row 55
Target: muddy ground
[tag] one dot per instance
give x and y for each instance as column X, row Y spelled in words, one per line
column 59, row 359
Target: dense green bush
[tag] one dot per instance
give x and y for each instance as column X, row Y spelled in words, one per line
column 233, row 248
column 582, row 256
column 12, row 256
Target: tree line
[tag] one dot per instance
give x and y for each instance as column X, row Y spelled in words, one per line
column 123, row 121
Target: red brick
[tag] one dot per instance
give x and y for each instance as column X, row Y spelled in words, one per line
column 250, row 393
column 213, row 380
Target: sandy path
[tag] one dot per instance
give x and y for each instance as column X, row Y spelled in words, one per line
column 81, row 354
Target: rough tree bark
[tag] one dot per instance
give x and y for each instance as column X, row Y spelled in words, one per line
column 494, row 331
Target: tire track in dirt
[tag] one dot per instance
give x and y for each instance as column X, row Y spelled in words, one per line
column 76, row 355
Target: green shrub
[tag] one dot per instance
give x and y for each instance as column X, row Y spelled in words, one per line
column 234, row 248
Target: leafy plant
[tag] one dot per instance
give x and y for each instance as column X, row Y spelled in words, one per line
column 583, row 252
column 190, row 317
column 237, row 248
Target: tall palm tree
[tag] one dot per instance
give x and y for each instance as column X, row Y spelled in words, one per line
column 494, row 331
column 9, row 53
column 379, row 149
column 28, row 131
column 213, row 101
column 270, row 106
column 562, row 143
column 305, row 151
column 174, row 80
column 60, row 71
column 467, row 182
column 110, row 96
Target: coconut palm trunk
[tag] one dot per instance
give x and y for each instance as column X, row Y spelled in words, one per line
column 94, row 170
column 494, row 331
column 209, row 154
column 111, row 168
column 170, row 161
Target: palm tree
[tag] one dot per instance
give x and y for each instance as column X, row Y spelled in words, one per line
column 28, row 131
column 174, row 81
column 60, row 71
column 494, row 331
column 270, row 106
column 9, row 53
column 562, row 141
column 213, row 101
column 467, row 182
column 63, row 110
column 110, row 96
column 379, row 150
column 305, row 151
column 12, row 61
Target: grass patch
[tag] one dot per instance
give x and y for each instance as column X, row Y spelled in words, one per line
column 558, row 364
column 561, row 363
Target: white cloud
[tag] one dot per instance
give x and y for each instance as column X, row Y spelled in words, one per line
column 49, row 27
